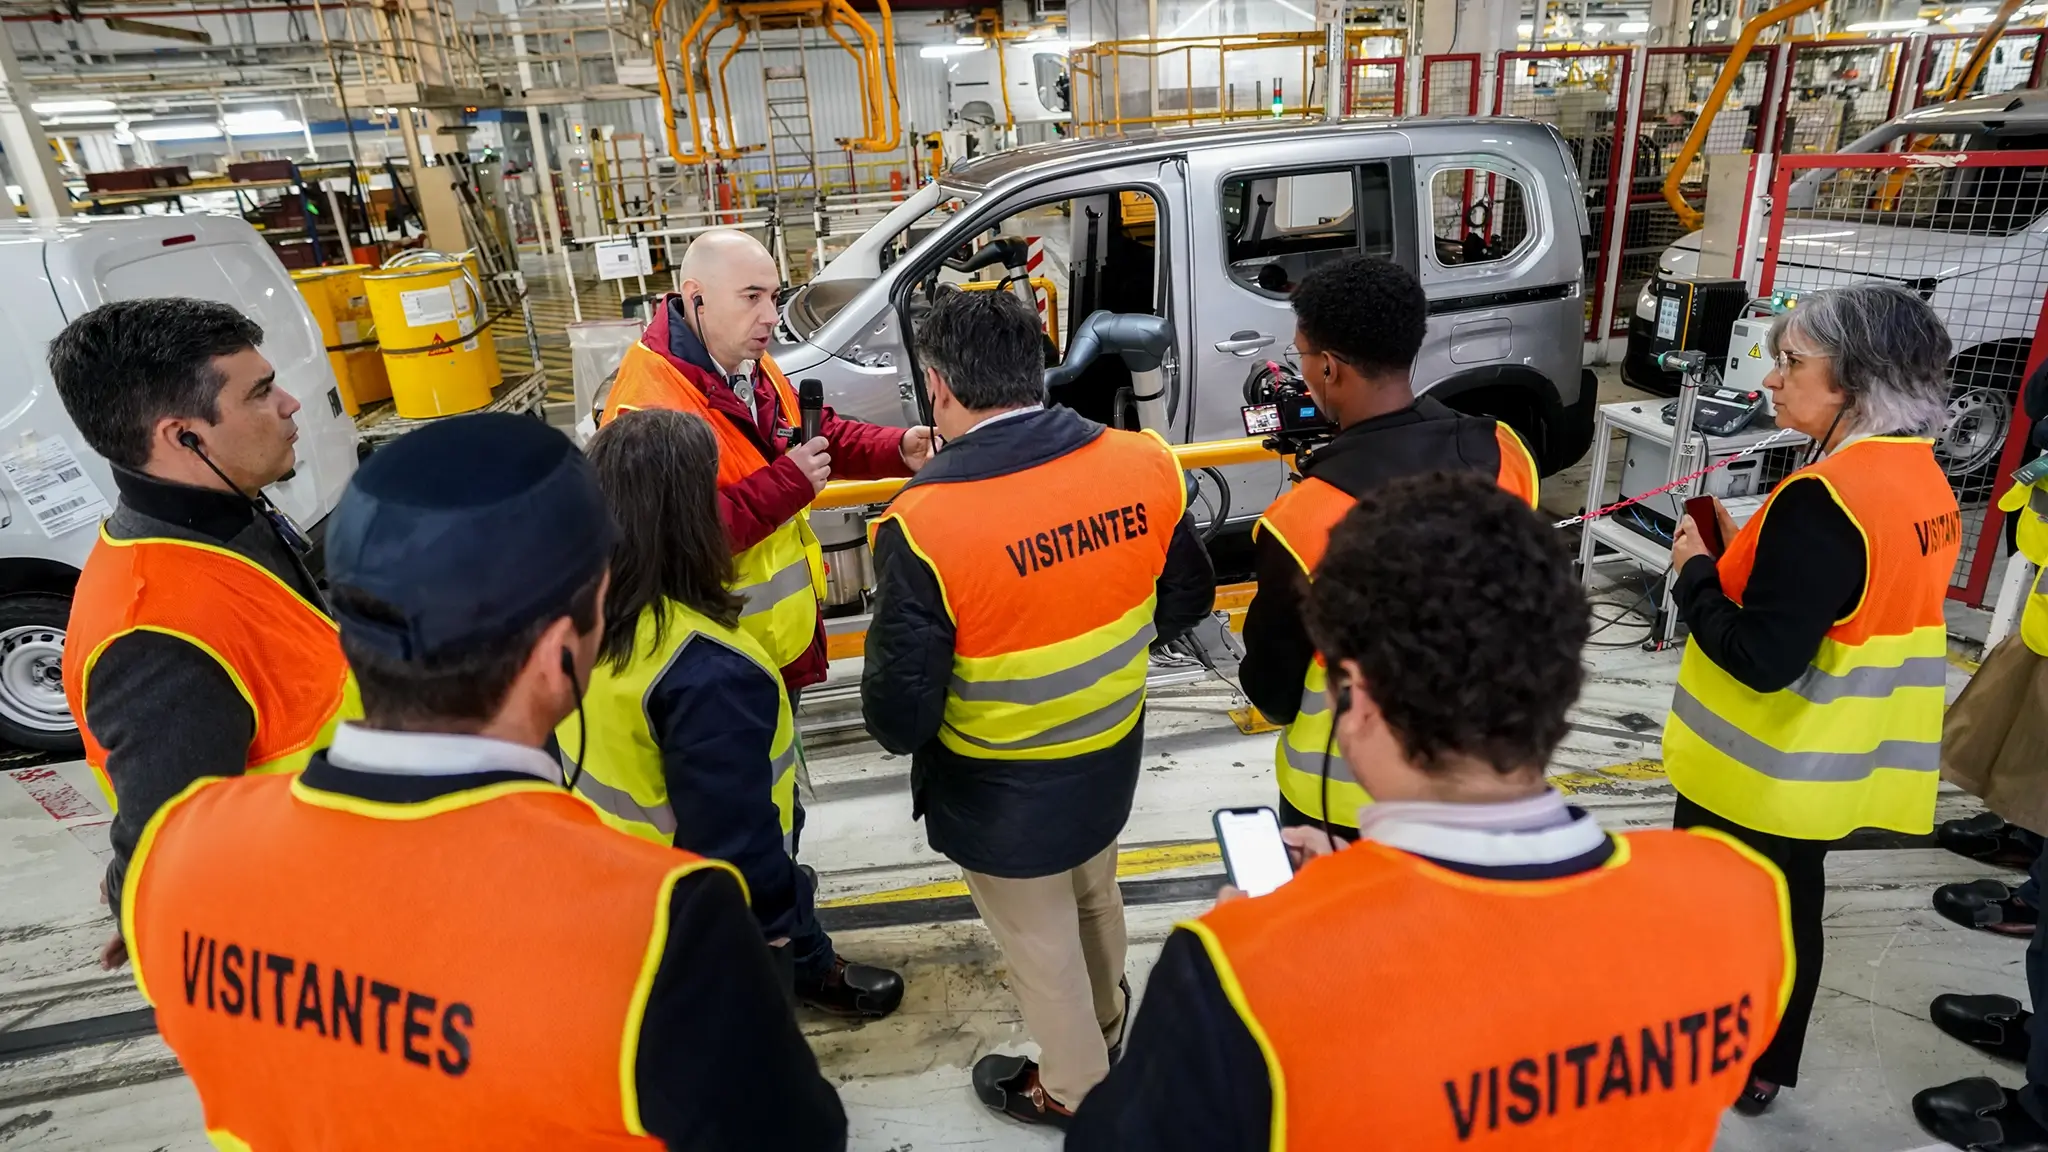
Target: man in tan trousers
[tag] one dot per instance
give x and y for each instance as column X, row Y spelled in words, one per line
column 1020, row 578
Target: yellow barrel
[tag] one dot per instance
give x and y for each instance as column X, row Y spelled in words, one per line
column 339, row 307
column 433, row 349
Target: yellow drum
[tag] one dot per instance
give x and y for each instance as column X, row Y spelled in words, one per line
column 476, row 272
column 339, row 307
column 434, row 352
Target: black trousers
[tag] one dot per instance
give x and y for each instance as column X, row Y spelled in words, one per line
column 1804, row 863
column 2034, row 1096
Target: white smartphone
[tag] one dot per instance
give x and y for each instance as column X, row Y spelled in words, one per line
column 1253, row 852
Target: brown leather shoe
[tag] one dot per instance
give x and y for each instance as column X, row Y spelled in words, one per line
column 1009, row 1084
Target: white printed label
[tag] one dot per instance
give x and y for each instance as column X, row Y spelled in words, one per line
column 359, row 304
column 428, row 306
column 53, row 486
column 348, row 330
column 617, row 260
column 459, row 291
column 471, row 344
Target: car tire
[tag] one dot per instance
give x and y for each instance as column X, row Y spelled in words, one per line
column 1983, row 401
column 33, row 711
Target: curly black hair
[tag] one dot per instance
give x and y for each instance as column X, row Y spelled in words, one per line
column 1459, row 605
column 1370, row 312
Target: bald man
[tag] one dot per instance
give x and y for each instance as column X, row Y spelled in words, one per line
column 706, row 352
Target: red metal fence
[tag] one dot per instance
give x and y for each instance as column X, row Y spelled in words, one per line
column 1957, row 227
column 1376, row 86
column 2015, row 63
column 1450, row 85
column 1584, row 92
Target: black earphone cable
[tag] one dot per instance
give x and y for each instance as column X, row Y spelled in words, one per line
column 293, row 536
column 574, row 770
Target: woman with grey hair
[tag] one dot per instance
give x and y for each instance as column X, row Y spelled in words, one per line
column 1809, row 702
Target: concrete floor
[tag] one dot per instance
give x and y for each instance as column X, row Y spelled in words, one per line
column 904, row 1080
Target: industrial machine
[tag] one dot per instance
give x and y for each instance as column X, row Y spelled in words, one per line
column 1684, row 314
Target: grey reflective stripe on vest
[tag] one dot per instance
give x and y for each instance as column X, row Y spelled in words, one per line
column 1052, row 686
column 774, row 590
column 2041, row 581
column 1311, row 763
column 1312, row 703
column 1079, row 728
column 2037, row 501
column 1828, row 767
column 782, row 763
column 621, row 804
column 1870, row 683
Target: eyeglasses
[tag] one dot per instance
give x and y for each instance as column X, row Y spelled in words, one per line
column 1785, row 360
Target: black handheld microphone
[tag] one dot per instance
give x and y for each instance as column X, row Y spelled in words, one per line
column 810, row 404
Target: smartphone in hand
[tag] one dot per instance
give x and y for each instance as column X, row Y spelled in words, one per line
column 1708, row 525
column 1253, row 852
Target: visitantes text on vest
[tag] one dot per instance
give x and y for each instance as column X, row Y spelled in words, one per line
column 1064, row 542
column 1662, row 1056
column 237, row 981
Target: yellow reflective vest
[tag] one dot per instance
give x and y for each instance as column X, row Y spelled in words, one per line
column 2029, row 502
column 1855, row 741
column 621, row 773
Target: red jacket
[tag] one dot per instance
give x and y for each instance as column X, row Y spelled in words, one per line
column 763, row 502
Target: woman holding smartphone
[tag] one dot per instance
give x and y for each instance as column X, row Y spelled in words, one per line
column 691, row 740
column 1809, row 703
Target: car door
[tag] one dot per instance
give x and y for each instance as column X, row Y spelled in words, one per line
column 1331, row 198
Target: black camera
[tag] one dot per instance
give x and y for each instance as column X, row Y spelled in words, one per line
column 1277, row 405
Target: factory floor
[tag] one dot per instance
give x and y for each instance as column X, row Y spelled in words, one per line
column 103, row 1081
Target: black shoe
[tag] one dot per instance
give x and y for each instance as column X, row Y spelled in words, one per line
column 1123, row 1028
column 1988, row 838
column 1979, row 1115
column 1986, row 904
column 853, row 990
column 1009, row 1084
column 1996, row 1024
column 1756, row 1096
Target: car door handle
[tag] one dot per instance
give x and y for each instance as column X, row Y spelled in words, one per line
column 1244, row 343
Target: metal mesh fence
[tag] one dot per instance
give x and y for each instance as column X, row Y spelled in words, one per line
column 1837, row 91
column 1376, row 87
column 1450, row 85
column 1957, row 228
column 1580, row 91
column 2014, row 63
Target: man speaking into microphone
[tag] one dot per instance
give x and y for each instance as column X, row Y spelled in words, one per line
column 706, row 352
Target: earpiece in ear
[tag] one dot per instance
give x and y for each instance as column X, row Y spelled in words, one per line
column 1340, row 687
column 697, row 300
column 189, row 439
column 568, row 664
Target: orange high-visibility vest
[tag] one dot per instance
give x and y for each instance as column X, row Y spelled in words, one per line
column 1301, row 520
column 1855, row 741
column 781, row 578
column 1390, row 1015
column 469, row 971
column 282, row 653
column 1051, row 575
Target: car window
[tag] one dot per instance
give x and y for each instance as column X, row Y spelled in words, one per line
column 1279, row 225
column 1477, row 215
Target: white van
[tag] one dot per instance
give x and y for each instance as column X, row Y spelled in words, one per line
column 51, row 273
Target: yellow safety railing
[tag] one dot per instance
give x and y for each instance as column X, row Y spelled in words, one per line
column 1207, row 454
column 1688, row 216
column 1099, row 68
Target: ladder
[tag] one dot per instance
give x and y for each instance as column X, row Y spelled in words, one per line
column 792, row 143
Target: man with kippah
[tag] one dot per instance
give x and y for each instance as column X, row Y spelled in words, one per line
column 439, row 946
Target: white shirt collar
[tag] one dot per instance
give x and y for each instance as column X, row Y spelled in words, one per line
column 387, row 753
column 1541, row 829
column 988, row 420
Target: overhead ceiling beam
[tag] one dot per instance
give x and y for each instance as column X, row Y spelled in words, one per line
column 165, row 31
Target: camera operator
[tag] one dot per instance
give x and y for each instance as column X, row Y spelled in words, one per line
column 1359, row 323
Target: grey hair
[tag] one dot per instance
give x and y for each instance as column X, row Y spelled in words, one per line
column 1887, row 350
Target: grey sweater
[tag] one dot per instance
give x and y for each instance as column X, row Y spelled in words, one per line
column 165, row 711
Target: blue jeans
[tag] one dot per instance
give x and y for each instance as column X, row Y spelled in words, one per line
column 2034, row 1096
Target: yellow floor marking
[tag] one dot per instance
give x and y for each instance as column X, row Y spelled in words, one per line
column 1251, row 721
column 1130, row 862
column 1570, row 782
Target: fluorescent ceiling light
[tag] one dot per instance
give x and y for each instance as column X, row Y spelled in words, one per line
column 1594, row 25
column 268, row 128
column 1713, row 24
column 1634, row 27
column 253, row 118
column 1525, row 29
column 179, row 132
column 65, row 107
column 1888, row 25
column 942, row 51
column 970, row 42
